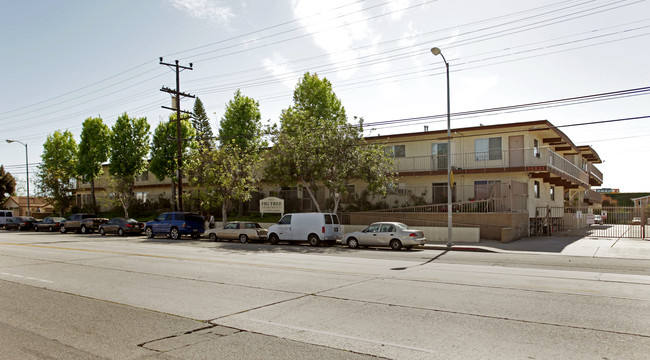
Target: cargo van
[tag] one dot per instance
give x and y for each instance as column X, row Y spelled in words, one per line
column 4, row 215
column 316, row 228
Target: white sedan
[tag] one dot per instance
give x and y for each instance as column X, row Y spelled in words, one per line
column 391, row 234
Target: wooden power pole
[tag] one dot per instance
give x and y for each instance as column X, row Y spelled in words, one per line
column 177, row 94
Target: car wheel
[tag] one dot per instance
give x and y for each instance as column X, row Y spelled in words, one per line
column 102, row 232
column 243, row 238
column 35, row 228
column 120, row 232
column 395, row 244
column 51, row 228
column 174, row 234
column 313, row 240
column 213, row 237
column 63, row 230
column 353, row 243
column 196, row 236
column 149, row 232
column 83, row 229
column 274, row 239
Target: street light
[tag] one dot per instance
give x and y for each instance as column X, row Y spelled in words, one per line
column 436, row 51
column 29, row 211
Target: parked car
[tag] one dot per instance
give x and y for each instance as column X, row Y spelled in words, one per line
column 392, row 234
column 636, row 220
column 312, row 227
column 175, row 224
column 83, row 223
column 4, row 216
column 49, row 224
column 244, row 231
column 21, row 223
column 121, row 227
column 598, row 219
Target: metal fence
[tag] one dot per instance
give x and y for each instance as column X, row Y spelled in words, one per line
column 611, row 222
column 371, row 217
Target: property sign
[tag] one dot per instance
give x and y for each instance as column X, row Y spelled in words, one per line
column 272, row 205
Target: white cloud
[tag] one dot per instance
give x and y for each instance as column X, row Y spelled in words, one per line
column 397, row 5
column 205, row 9
column 277, row 66
column 336, row 28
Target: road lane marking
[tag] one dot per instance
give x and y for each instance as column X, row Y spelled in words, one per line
column 27, row 277
column 322, row 332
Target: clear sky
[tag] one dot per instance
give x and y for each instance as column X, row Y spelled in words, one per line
column 64, row 61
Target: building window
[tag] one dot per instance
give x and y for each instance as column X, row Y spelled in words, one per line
column 552, row 193
column 536, row 189
column 144, row 176
column 142, row 196
column 536, row 148
column 488, row 149
column 487, row 189
column 396, row 150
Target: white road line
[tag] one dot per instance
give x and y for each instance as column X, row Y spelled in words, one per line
column 344, row 336
column 27, row 277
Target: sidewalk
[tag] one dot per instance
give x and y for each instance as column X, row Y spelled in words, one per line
column 623, row 248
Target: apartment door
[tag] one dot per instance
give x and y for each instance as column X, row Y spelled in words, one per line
column 440, row 193
column 516, row 150
column 439, row 154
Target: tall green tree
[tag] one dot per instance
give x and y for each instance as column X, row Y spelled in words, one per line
column 57, row 171
column 201, row 124
column 93, row 151
column 241, row 123
column 164, row 150
column 315, row 146
column 129, row 149
column 228, row 174
column 7, row 185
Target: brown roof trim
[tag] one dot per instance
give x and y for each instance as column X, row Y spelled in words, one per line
column 443, row 132
column 536, row 125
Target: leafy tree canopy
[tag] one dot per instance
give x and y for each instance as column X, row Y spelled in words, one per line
column 316, row 146
column 129, row 146
column 93, row 148
column 201, row 124
column 57, row 170
column 7, row 184
column 164, row 147
column 227, row 174
column 241, row 123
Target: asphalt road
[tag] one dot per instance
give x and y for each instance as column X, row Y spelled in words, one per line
column 87, row 296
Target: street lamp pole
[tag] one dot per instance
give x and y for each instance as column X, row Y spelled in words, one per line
column 29, row 211
column 436, row 51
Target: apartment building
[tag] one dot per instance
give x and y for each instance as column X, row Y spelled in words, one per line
column 504, row 177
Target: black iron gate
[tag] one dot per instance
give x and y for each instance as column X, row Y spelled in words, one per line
column 611, row 222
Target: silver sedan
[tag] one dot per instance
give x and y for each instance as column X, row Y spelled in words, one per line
column 390, row 234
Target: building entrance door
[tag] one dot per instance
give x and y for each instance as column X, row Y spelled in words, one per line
column 516, row 150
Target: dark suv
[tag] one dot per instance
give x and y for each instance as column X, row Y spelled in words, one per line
column 175, row 224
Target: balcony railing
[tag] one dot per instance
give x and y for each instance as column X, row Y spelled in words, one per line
column 496, row 160
column 595, row 173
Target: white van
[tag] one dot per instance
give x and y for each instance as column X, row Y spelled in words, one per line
column 312, row 227
column 4, row 215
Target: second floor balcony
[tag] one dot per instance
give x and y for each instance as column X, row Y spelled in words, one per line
column 545, row 162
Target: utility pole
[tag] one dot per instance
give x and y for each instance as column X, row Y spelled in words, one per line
column 176, row 94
